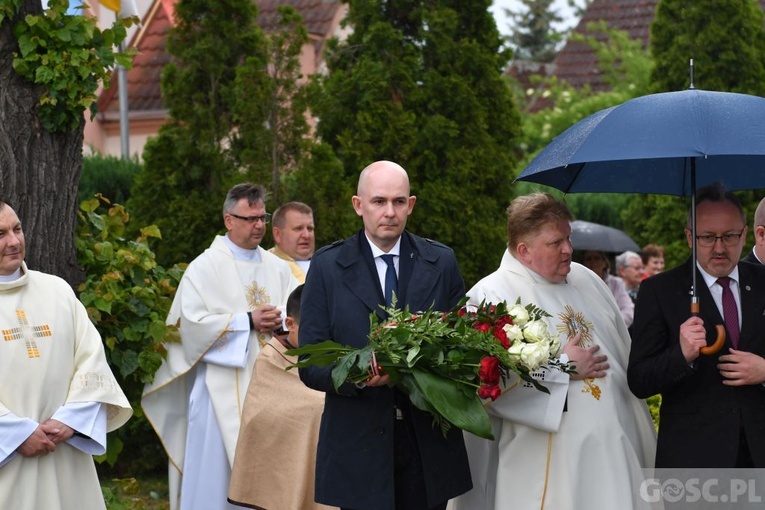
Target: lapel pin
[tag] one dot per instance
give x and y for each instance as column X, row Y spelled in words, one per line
column 747, row 287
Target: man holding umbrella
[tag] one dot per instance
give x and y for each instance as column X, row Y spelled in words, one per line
column 713, row 406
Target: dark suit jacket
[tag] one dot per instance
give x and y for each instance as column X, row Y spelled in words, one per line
column 700, row 418
column 354, row 467
column 750, row 258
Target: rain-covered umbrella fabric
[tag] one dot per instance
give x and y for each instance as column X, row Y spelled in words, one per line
column 671, row 144
column 594, row 236
column 646, row 144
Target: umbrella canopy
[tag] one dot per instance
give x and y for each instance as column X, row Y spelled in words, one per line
column 648, row 145
column 668, row 144
column 594, row 236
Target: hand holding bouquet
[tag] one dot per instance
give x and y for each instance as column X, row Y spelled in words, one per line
column 447, row 362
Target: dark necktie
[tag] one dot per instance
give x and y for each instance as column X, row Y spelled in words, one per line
column 391, row 281
column 730, row 311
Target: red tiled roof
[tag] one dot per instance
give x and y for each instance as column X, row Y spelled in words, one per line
column 576, row 63
column 144, row 77
column 317, row 14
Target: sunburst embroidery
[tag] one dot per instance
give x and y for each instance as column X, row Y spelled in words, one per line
column 256, row 295
column 574, row 322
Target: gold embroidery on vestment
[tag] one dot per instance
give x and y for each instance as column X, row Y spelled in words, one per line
column 256, row 295
column 28, row 333
column 574, row 322
column 95, row 380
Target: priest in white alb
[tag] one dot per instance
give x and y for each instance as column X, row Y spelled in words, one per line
column 58, row 396
column 228, row 303
column 584, row 445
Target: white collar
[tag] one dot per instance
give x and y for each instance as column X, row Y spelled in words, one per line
column 376, row 251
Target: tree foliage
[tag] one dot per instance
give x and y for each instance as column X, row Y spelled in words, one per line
column 127, row 296
column 724, row 38
column 109, row 176
column 317, row 182
column 626, row 65
column 235, row 115
column 273, row 142
column 50, row 64
column 69, row 57
column 420, row 83
column 533, row 35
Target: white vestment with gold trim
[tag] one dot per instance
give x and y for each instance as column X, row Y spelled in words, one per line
column 594, row 461
column 216, row 349
column 51, row 355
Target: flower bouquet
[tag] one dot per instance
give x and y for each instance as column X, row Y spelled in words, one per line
column 447, row 363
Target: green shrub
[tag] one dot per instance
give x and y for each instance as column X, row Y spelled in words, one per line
column 127, row 296
column 654, row 404
column 108, row 175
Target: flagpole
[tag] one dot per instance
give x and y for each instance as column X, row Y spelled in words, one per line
column 123, row 97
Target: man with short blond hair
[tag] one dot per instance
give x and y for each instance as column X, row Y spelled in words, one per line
column 293, row 231
column 544, row 453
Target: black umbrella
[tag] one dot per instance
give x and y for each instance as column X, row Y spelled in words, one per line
column 594, row 236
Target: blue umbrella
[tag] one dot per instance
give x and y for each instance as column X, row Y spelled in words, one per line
column 650, row 144
column 668, row 144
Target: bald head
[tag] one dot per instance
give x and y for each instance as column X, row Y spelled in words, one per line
column 383, row 202
column 383, row 168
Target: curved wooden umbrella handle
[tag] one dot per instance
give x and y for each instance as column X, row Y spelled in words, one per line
column 715, row 347
column 719, row 341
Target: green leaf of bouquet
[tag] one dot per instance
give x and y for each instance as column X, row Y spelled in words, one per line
column 322, row 354
column 410, row 357
column 326, row 346
column 463, row 409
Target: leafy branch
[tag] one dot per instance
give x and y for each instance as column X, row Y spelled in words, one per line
column 67, row 55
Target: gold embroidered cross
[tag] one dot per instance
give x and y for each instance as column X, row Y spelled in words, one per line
column 28, row 333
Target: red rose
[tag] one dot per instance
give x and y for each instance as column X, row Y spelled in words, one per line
column 499, row 334
column 489, row 372
column 462, row 312
column 505, row 319
column 489, row 391
column 483, row 327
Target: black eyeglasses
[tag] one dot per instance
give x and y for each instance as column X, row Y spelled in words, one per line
column 253, row 219
column 709, row 240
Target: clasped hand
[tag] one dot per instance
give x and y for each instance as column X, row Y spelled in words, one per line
column 45, row 438
column 267, row 318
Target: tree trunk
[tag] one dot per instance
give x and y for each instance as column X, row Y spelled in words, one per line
column 39, row 171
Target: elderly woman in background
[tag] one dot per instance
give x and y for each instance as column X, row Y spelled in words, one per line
column 597, row 262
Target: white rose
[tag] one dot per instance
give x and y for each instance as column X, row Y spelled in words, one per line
column 516, row 349
column 514, row 332
column 536, row 331
column 555, row 347
column 519, row 314
column 534, row 355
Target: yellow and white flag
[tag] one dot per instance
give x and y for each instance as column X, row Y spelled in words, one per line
column 126, row 8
